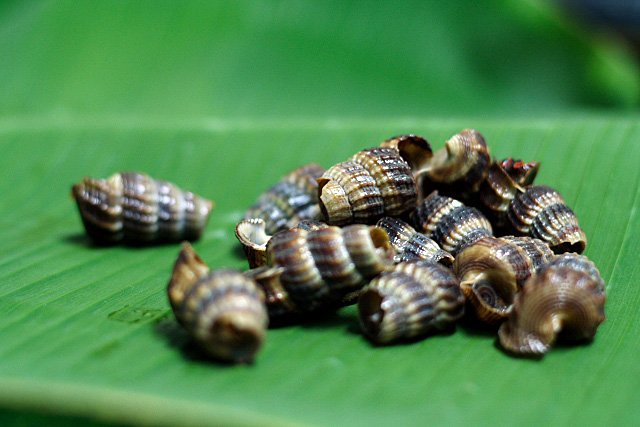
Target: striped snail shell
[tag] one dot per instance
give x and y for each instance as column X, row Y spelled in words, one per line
column 459, row 168
column 496, row 193
column 451, row 224
column 541, row 212
column 134, row 208
column 415, row 298
column 374, row 183
column 522, row 173
column 322, row 267
column 252, row 235
column 293, row 199
column 222, row 310
column 492, row 271
column 410, row 244
column 414, row 149
column 565, row 299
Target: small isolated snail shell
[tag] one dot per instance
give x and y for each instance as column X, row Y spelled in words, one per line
column 541, row 212
column 322, row 267
column 415, row 298
column 222, row 310
column 375, row 182
column 137, row 209
column 293, row 199
column 566, row 298
column 451, row 224
column 492, row 271
column 410, row 244
column 458, row 169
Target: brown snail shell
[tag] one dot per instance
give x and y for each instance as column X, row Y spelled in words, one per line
column 541, row 212
column 414, row 149
column 460, row 167
column 522, row 173
column 565, row 299
column 415, row 298
column 451, row 224
column 496, row 193
column 222, row 310
column 134, row 208
column 492, row 271
column 321, row 267
column 410, row 244
column 293, row 199
column 375, row 182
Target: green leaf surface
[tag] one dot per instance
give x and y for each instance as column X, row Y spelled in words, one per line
column 87, row 331
column 223, row 98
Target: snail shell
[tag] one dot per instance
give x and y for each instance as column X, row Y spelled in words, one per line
column 293, row 199
column 493, row 270
column 565, row 299
column 137, row 209
column 451, row 224
column 522, row 173
column 458, row 169
column 373, row 183
column 414, row 149
column 541, row 212
column 222, row 310
column 409, row 244
column 415, row 298
column 496, row 193
column 321, row 267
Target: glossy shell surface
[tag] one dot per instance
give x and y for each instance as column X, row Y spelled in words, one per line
column 293, row 199
column 415, row 298
column 134, row 208
column 541, row 212
column 375, row 182
column 565, row 299
column 410, row 244
column 222, row 310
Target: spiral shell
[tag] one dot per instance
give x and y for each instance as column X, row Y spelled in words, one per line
column 458, row 169
column 451, row 224
column 415, row 298
column 409, row 244
column 541, row 212
column 493, row 270
column 414, row 149
column 565, row 299
column 293, row 199
column 522, row 173
column 496, row 193
column 134, row 208
column 322, row 267
column 222, row 310
column 375, row 182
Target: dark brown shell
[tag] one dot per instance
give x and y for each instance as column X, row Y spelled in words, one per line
column 458, row 169
column 565, row 299
column 415, row 298
column 293, row 199
column 414, row 149
column 375, row 182
column 222, row 310
column 322, row 267
column 496, row 193
column 491, row 272
column 134, row 208
column 541, row 212
column 522, row 173
column 410, row 244
column 451, row 224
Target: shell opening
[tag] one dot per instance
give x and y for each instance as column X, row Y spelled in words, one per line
column 371, row 312
column 567, row 247
column 334, row 202
column 244, row 339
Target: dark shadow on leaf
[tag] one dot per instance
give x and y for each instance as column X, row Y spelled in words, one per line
column 470, row 325
column 82, row 239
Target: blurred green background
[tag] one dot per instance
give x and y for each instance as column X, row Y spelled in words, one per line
column 301, row 59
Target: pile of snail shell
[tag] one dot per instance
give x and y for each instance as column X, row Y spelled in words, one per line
column 417, row 239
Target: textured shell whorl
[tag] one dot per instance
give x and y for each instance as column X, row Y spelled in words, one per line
column 413, row 299
column 322, row 266
column 564, row 299
column 410, row 244
column 222, row 310
column 541, row 212
column 293, row 199
column 373, row 183
column 451, row 224
column 137, row 209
